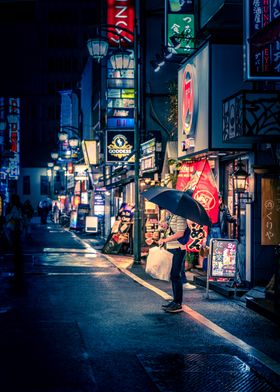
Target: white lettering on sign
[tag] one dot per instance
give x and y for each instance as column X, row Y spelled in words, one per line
column 120, row 113
column 119, row 15
column 270, row 228
column 269, row 206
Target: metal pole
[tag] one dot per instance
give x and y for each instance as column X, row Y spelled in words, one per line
column 137, row 214
column 238, row 216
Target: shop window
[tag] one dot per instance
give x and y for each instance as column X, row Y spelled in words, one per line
column 26, row 185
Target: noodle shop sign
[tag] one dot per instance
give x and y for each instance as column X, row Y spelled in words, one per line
column 270, row 234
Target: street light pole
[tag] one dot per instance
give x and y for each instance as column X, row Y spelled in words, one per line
column 98, row 51
column 137, row 217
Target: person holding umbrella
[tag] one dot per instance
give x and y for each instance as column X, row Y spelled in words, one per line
column 176, row 230
column 184, row 209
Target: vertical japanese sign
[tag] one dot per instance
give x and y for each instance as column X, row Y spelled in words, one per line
column 262, row 41
column 14, row 135
column 270, row 228
column 179, row 25
column 120, row 14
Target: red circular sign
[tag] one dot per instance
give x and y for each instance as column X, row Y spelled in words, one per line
column 188, row 99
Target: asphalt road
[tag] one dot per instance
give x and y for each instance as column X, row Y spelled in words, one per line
column 86, row 323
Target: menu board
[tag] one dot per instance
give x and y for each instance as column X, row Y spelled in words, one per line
column 223, row 258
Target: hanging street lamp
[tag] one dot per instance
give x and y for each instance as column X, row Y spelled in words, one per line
column 121, row 59
column 73, row 142
column 54, row 155
column 98, row 47
column 240, row 178
column 62, row 136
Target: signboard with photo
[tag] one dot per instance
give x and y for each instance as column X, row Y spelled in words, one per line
column 223, row 258
column 120, row 236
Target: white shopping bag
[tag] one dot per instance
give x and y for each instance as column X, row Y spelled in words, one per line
column 159, row 263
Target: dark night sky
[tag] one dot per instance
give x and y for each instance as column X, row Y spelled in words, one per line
column 34, row 34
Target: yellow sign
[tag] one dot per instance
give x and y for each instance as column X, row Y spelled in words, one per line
column 128, row 93
column 119, row 147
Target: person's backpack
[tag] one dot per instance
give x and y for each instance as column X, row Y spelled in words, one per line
column 185, row 239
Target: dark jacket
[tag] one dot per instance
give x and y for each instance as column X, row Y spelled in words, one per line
column 225, row 218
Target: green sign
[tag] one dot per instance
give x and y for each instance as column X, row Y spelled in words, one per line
column 180, row 33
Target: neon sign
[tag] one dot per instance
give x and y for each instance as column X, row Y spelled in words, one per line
column 119, row 145
column 261, row 39
column 120, row 13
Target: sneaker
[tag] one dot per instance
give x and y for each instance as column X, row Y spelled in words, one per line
column 174, row 308
column 189, row 286
column 165, row 306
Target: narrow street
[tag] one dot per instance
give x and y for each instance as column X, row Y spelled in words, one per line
column 86, row 322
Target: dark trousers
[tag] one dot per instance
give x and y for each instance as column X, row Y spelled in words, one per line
column 175, row 275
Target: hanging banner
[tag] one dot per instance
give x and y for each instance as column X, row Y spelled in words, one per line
column 206, row 193
column 198, row 178
column 188, row 178
column 189, row 175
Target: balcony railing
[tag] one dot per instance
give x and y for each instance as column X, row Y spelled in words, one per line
column 250, row 117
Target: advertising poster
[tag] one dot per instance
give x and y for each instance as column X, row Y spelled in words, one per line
column 120, row 236
column 223, row 258
column 82, row 211
column 73, row 220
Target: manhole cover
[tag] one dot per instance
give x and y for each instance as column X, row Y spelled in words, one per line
column 202, row 372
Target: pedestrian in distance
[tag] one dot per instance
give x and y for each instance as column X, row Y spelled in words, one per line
column 177, row 227
column 28, row 212
column 43, row 210
column 14, row 228
column 55, row 212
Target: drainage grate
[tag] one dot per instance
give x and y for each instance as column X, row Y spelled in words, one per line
column 202, row 372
